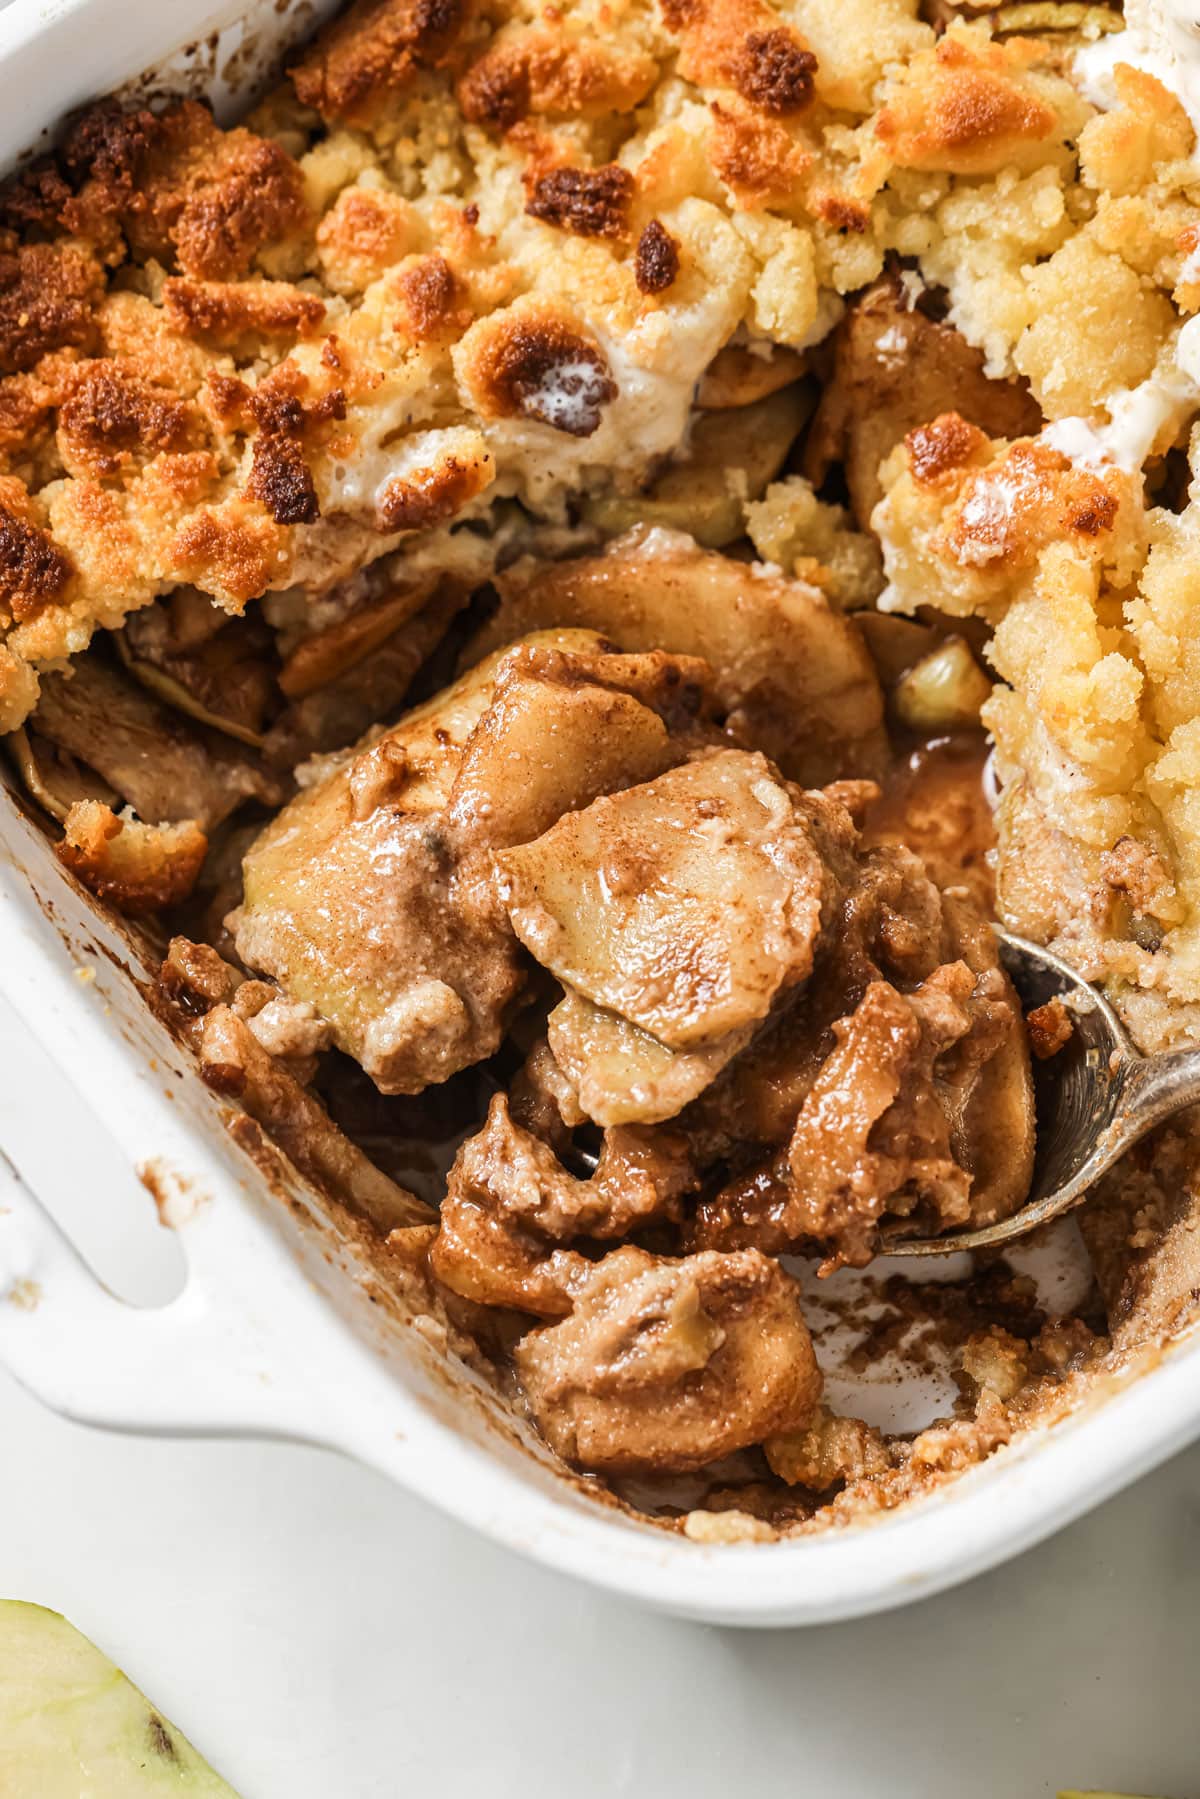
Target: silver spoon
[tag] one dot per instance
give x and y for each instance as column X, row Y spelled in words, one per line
column 1095, row 1099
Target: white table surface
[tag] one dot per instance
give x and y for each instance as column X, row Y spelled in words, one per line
column 319, row 1635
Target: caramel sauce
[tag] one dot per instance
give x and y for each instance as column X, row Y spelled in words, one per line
column 933, row 800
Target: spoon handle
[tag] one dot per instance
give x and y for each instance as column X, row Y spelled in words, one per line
column 1155, row 1088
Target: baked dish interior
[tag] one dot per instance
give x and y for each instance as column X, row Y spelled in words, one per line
column 563, row 572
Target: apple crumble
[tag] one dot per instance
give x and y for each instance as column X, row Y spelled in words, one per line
column 511, row 557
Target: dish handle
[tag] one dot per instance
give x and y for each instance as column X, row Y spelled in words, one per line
column 204, row 1364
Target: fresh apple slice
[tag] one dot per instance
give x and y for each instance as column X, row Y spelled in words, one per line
column 71, row 1723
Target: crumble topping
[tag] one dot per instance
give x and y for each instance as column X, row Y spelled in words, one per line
column 324, row 294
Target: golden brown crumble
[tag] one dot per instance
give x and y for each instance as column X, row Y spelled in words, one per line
column 732, row 208
column 138, row 867
column 48, row 298
column 224, row 311
column 1050, row 1029
column 33, row 570
column 369, row 55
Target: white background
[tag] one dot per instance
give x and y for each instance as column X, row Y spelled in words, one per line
column 319, row 1635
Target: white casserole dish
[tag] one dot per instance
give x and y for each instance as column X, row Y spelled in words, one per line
column 282, row 1329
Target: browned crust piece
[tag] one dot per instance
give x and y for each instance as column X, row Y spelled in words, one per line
column 773, row 72
column 374, row 51
column 535, row 365
column 222, row 312
column 48, row 297
column 591, row 202
column 656, row 259
column 112, row 414
column 180, row 188
column 533, row 72
column 139, row 868
column 34, row 571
